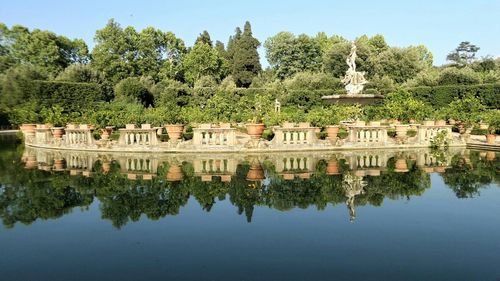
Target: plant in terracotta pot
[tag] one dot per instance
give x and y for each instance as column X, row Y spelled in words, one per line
column 327, row 118
column 466, row 112
column 255, row 128
column 55, row 116
column 175, row 124
column 492, row 117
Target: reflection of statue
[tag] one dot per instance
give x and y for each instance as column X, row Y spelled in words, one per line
column 277, row 106
column 353, row 186
column 354, row 80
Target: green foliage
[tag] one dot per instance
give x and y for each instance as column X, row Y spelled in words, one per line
column 464, row 54
column 245, row 61
column 401, row 64
column 440, row 140
column 54, row 116
column 132, row 89
column 466, row 111
column 461, row 76
column 441, row 96
column 312, row 81
column 203, row 60
column 492, row 118
column 289, row 54
column 401, row 105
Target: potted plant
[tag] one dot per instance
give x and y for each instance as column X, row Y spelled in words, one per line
column 325, row 118
column 55, row 116
column 175, row 125
column 466, row 112
column 255, row 128
column 492, row 117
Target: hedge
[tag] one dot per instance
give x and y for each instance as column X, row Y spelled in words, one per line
column 70, row 95
column 441, row 96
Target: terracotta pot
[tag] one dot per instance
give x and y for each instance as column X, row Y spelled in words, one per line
column 28, row 128
column 57, row 132
column 333, row 167
column 255, row 130
column 490, row 138
column 332, row 132
column 106, row 132
column 256, row 173
column 58, row 164
column 174, row 173
column 401, row 166
column 491, row 155
column 440, row 122
column 174, row 131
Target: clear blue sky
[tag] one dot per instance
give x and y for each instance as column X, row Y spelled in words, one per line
column 439, row 25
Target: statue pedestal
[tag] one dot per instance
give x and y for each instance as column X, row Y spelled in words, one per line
column 353, row 99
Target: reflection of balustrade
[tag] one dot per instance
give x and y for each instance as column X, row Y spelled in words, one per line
column 138, row 164
column 289, row 135
column 368, row 134
column 427, row 132
column 208, row 136
column 134, row 137
column 78, row 137
column 76, row 161
column 294, row 164
column 367, row 161
column 215, row 166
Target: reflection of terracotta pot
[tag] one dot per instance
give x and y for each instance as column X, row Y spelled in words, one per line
column 490, row 138
column 440, row 122
column 305, row 175
column 374, row 172
column 333, row 167
column 106, row 167
column 440, row 169
column 225, row 178
column 255, row 130
column 58, row 164
column 206, row 178
column 256, row 173
column 31, row 162
column 332, row 132
column 174, row 131
column 401, row 165
column 131, row 176
column 174, row 173
column 57, row 132
column 428, row 169
column 491, row 155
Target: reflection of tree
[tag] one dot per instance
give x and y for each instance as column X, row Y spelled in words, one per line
column 467, row 175
column 27, row 195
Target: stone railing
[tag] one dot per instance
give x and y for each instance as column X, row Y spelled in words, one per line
column 81, row 135
column 288, row 134
column 426, row 133
column 144, row 136
column 43, row 135
column 359, row 133
column 206, row 135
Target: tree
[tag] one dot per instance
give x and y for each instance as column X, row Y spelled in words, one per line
column 464, row 54
column 246, row 62
column 203, row 60
column 219, row 46
column 81, row 73
column 402, row 64
column 204, row 37
column 288, row 54
column 132, row 89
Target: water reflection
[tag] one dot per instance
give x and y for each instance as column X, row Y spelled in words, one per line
column 47, row 184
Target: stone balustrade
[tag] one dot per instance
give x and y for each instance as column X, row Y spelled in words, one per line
column 367, row 160
column 144, row 136
column 288, row 134
column 43, row 136
column 425, row 133
column 78, row 136
column 359, row 134
column 207, row 135
column 138, row 164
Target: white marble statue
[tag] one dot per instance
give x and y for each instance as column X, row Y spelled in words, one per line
column 354, row 81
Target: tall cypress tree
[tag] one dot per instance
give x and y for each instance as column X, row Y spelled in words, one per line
column 204, row 37
column 231, row 47
column 246, row 62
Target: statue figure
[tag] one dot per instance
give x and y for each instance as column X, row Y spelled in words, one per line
column 353, row 80
column 277, row 106
column 353, row 185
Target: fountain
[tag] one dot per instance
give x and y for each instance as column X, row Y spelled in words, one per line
column 354, row 82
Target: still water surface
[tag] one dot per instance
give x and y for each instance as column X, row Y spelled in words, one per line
column 376, row 215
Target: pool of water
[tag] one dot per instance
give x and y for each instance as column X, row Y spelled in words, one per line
column 364, row 215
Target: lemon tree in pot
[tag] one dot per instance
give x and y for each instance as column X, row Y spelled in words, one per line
column 466, row 112
column 255, row 128
column 327, row 118
column 55, row 116
column 492, row 117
